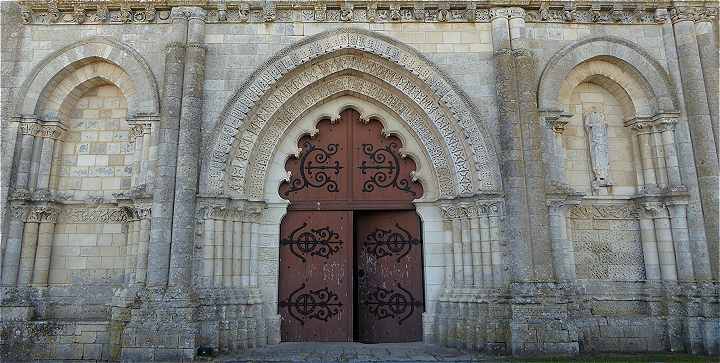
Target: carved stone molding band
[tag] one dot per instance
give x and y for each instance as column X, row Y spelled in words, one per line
column 90, row 12
column 43, row 215
column 95, row 215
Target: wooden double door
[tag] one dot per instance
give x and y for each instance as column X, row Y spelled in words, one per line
column 350, row 245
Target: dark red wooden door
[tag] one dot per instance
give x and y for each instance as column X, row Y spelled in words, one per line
column 346, row 167
column 316, row 268
column 389, row 276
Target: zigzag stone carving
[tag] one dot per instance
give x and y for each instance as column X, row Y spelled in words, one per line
column 417, row 79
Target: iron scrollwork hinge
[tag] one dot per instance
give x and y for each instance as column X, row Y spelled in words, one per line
column 386, row 172
column 321, row 242
column 316, row 175
column 320, row 304
column 383, row 303
column 386, row 242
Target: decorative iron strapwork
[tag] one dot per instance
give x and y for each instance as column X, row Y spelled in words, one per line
column 320, row 304
column 321, row 242
column 315, row 171
column 383, row 303
column 384, row 164
column 387, row 242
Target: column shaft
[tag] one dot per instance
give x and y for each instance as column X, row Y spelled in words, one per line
column 476, row 245
column 487, row 274
column 650, row 249
column 219, row 240
column 681, row 240
column 228, row 254
column 27, row 256
column 699, row 120
column 708, row 51
column 208, row 263
column 467, row 252
column 164, row 183
column 237, row 255
column 44, row 252
column 11, row 256
column 686, row 161
column 46, row 158
column 666, row 250
column 186, row 184
column 458, row 275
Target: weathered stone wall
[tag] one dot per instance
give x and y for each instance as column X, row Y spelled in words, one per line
column 140, row 144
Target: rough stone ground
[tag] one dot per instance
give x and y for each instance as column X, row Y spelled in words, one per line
column 355, row 352
column 420, row 352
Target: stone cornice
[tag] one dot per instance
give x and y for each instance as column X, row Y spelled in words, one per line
column 219, row 11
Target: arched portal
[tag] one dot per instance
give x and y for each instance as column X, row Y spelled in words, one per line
column 350, row 244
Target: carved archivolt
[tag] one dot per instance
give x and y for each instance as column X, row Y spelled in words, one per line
column 413, row 77
column 381, row 94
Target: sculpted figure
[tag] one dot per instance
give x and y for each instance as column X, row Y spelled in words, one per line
column 597, row 134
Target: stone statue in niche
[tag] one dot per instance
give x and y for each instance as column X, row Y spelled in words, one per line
column 597, row 134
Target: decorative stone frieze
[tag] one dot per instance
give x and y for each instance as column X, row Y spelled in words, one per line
column 83, row 12
column 44, row 214
column 625, row 211
column 94, row 215
column 139, row 212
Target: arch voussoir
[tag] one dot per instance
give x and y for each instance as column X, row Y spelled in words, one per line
column 476, row 166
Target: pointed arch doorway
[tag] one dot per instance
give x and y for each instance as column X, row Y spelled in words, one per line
column 350, row 244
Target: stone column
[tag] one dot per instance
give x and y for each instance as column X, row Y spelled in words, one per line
column 11, row 255
column 681, row 239
column 46, row 217
column 666, row 129
column 29, row 246
column 458, row 275
column 532, row 140
column 476, row 233
column 700, row 121
column 686, row 158
column 52, row 143
column 512, row 162
column 135, row 137
column 188, row 154
column 563, row 250
column 28, row 129
column 553, row 148
column 164, row 183
column 218, row 241
column 649, row 243
column 467, row 254
column 142, row 217
column 658, row 240
column 643, row 133
column 708, row 51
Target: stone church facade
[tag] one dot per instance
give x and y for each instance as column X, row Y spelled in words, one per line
column 562, row 158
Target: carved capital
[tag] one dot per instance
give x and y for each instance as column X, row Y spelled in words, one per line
column 139, row 212
column 491, row 208
column 55, row 132
column 43, row 214
column 666, row 124
column 79, row 14
column 653, row 209
column 181, row 13
column 31, row 128
column 516, row 12
column 682, row 13
column 269, row 12
column 26, row 13
column 135, row 131
column 496, row 13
